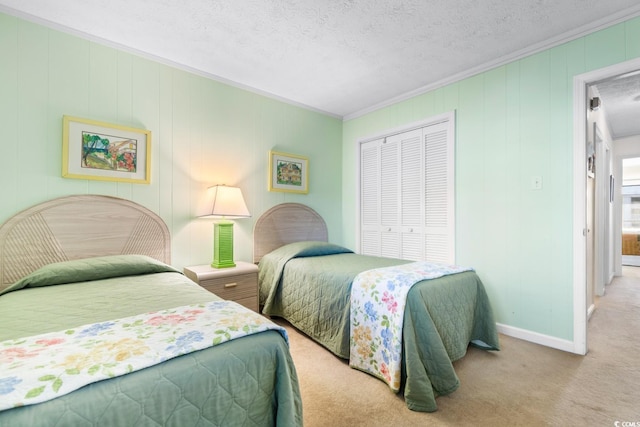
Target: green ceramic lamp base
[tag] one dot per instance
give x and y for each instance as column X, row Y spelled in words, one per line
column 223, row 245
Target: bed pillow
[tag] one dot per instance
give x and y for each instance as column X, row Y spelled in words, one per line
column 311, row 248
column 84, row 270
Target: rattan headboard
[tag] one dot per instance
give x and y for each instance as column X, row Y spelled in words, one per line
column 286, row 223
column 76, row 227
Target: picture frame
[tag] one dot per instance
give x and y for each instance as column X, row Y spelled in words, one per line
column 103, row 151
column 288, row 173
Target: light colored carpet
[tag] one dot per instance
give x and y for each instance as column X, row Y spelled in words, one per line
column 522, row 385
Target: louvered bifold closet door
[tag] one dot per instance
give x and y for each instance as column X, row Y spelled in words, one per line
column 411, row 196
column 370, row 197
column 392, row 202
column 390, row 198
column 439, row 193
column 407, row 195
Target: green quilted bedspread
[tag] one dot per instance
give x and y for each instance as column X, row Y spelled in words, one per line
column 309, row 286
column 247, row 381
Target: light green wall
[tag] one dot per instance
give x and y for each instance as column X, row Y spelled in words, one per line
column 512, row 123
column 203, row 133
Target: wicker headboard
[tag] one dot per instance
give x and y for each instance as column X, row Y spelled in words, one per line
column 286, row 223
column 76, row 227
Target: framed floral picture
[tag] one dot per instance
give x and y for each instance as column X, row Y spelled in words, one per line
column 288, row 173
column 103, row 151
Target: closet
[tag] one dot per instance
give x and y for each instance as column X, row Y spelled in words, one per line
column 407, row 193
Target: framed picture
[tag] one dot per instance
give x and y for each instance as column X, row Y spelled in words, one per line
column 288, row 173
column 102, row 151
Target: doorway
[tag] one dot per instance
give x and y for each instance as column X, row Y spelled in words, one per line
column 581, row 303
column 631, row 211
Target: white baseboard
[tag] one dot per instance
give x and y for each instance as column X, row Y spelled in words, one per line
column 632, row 260
column 536, row 338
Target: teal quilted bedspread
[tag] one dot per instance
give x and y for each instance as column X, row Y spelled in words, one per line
column 309, row 285
column 249, row 381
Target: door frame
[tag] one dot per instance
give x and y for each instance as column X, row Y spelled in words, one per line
column 580, row 84
column 603, row 207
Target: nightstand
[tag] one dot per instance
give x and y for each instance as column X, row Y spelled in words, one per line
column 239, row 283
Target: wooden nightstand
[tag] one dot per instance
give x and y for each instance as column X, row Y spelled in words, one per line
column 239, row 283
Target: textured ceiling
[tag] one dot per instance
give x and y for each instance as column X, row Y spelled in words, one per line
column 342, row 57
column 620, row 97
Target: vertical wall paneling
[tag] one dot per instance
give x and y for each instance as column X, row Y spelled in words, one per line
column 496, row 176
column 203, row 132
column 124, row 91
column 471, row 208
column 145, row 101
column 103, row 83
column 534, row 127
column 605, row 47
column 102, row 100
column 511, row 296
column 184, row 144
column 560, row 83
column 67, row 93
column 512, row 123
column 32, row 110
column 9, row 94
column 162, row 140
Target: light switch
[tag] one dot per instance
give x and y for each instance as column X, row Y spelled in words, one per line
column 536, row 182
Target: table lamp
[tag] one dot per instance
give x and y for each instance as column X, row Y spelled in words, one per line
column 228, row 203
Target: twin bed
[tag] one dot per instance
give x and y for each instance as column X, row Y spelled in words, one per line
column 87, row 290
column 87, row 271
column 308, row 282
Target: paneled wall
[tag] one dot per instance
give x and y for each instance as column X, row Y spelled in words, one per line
column 512, row 123
column 203, row 133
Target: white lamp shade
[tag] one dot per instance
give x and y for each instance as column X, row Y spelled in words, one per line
column 226, row 202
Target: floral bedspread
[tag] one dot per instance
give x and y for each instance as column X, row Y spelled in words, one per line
column 43, row 367
column 378, row 299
